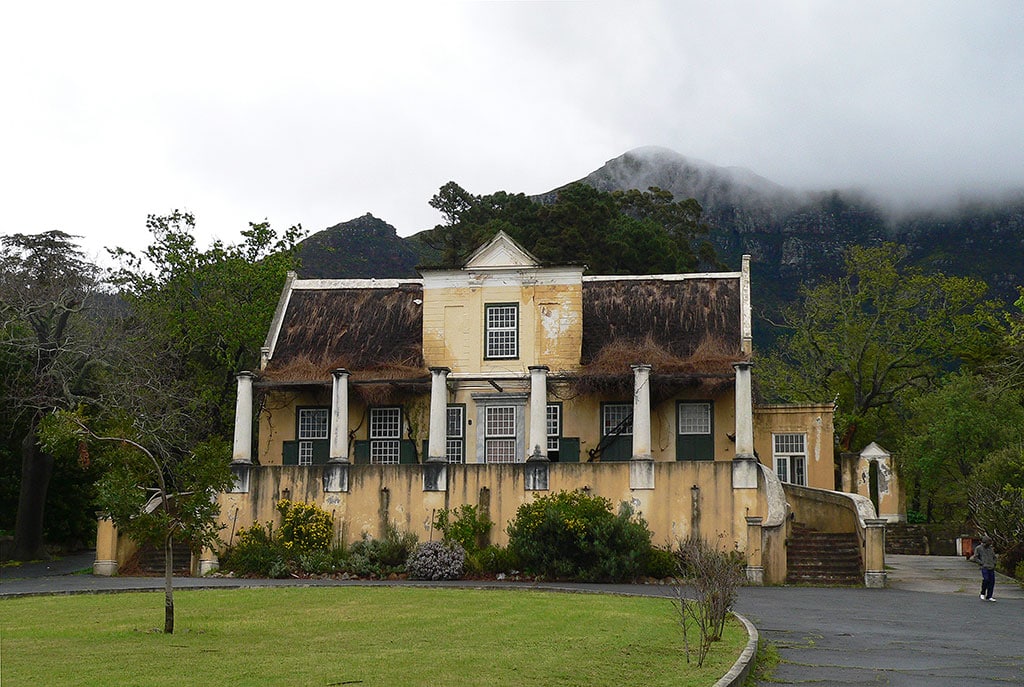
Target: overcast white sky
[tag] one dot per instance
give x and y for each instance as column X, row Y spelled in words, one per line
column 316, row 113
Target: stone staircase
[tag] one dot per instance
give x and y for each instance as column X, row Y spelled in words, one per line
column 149, row 560
column 823, row 558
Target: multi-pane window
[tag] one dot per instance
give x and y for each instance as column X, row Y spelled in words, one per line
column 455, row 442
column 554, row 427
column 500, row 434
column 617, row 418
column 790, row 452
column 385, row 435
column 695, row 418
column 501, row 331
column 313, row 424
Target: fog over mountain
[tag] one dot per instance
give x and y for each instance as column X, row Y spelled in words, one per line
column 794, row 237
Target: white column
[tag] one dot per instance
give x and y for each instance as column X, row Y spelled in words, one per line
column 641, row 412
column 537, row 448
column 242, row 449
column 437, row 445
column 746, row 321
column 339, row 416
column 744, row 412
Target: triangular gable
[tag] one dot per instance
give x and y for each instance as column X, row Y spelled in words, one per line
column 501, row 252
column 873, row 450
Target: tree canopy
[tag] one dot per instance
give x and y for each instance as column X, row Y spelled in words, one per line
column 876, row 337
column 202, row 315
column 621, row 232
column 53, row 354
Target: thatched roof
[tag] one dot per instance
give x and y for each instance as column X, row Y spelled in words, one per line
column 676, row 315
column 688, row 330
column 376, row 333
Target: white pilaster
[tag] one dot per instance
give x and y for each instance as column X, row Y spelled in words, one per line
column 437, row 445
column 744, row 412
column 641, row 412
column 746, row 321
column 242, row 448
column 339, row 416
column 537, row 448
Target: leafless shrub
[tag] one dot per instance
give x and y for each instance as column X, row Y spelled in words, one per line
column 713, row 577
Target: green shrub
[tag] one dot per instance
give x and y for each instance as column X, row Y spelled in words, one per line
column 389, row 552
column 360, row 565
column 437, row 560
column 571, row 535
column 316, row 562
column 492, row 560
column 1019, row 572
column 660, row 563
column 257, row 552
column 465, row 525
column 301, row 545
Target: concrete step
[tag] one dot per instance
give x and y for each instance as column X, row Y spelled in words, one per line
column 823, row 558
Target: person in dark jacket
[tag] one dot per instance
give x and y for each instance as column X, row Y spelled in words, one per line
column 985, row 556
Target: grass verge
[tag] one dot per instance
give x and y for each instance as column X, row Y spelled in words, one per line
column 353, row 635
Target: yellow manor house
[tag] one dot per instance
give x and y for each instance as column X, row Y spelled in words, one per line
column 385, row 401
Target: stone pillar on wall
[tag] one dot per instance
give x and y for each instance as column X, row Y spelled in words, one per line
column 641, row 467
column 874, row 553
column 339, row 416
column 437, row 439
column 755, row 564
column 537, row 447
column 435, row 468
column 744, row 473
column 335, row 476
column 536, row 469
column 241, row 454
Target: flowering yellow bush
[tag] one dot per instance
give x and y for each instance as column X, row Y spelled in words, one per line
column 305, row 526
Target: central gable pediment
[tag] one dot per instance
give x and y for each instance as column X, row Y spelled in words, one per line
column 501, row 252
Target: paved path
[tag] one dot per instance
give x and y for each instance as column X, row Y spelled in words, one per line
column 928, row 628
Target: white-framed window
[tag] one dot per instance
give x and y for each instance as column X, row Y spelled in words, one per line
column 501, row 330
column 790, row 454
column 617, row 418
column 385, row 435
column 554, row 426
column 313, row 425
column 455, row 441
column 500, row 434
column 695, row 418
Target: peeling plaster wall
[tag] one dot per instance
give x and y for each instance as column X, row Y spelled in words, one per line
column 814, row 421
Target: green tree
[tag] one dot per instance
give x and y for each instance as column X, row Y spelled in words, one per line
column 995, row 496
column 51, row 355
column 950, row 431
column 202, row 315
column 876, row 337
column 151, row 496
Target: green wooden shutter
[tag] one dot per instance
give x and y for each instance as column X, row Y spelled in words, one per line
column 569, row 450
column 321, row 451
column 695, row 447
column 290, row 453
column 618, row 448
column 407, row 452
column 362, row 451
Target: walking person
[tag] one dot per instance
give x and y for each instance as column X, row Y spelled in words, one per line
column 985, row 556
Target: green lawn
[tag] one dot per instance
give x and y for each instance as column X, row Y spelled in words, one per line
column 351, row 636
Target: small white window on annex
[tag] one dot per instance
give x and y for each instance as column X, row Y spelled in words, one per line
column 790, row 456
